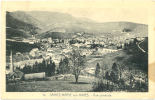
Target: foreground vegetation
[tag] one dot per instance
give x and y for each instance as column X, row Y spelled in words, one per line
column 126, row 70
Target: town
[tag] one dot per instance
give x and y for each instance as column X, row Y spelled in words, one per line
column 58, row 52
column 58, row 49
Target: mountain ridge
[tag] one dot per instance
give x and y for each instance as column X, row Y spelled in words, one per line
column 43, row 22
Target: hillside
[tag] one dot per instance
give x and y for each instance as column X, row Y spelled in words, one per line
column 139, row 57
column 18, row 27
column 12, row 33
column 24, row 17
column 57, row 24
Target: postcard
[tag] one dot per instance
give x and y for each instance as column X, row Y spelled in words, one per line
column 78, row 49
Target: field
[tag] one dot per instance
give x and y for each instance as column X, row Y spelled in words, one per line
column 84, row 85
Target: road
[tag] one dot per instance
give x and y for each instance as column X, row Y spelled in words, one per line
column 138, row 44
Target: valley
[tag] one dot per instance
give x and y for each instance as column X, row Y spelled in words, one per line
column 75, row 55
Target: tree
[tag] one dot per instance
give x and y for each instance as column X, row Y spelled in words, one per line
column 26, row 69
column 77, row 63
column 126, row 30
column 53, row 68
column 97, row 71
column 35, row 67
column 114, row 73
column 44, row 66
column 107, row 76
column 64, row 66
column 60, row 66
column 113, row 76
column 114, row 67
column 131, row 80
column 120, row 69
column 50, row 70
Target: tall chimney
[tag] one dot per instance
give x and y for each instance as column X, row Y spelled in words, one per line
column 11, row 63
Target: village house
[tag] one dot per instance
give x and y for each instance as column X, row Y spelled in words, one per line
column 56, row 40
column 86, row 52
column 49, row 40
column 49, row 50
column 88, row 41
column 66, row 41
column 34, row 52
column 96, row 41
column 15, row 75
column 140, row 38
column 44, row 40
column 40, row 75
column 81, row 39
column 66, row 50
column 37, row 41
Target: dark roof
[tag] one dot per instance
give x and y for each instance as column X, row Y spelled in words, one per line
column 17, row 74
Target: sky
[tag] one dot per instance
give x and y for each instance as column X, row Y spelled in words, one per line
column 109, row 14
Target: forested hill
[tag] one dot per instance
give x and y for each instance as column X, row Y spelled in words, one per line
column 19, row 28
column 59, row 25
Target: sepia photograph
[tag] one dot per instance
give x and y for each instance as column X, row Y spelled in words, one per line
column 76, row 50
column 69, row 49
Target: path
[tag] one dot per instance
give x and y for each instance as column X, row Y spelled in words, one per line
column 138, row 44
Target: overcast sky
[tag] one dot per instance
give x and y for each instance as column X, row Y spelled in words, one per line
column 109, row 14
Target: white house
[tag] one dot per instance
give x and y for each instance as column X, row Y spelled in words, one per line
column 33, row 52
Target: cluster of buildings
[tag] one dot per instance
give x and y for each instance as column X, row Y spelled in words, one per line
column 58, row 49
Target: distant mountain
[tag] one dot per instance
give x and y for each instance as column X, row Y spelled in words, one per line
column 108, row 29
column 55, row 21
column 24, row 17
column 62, row 25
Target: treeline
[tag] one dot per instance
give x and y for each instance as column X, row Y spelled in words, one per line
column 47, row 66
column 114, row 80
column 74, row 41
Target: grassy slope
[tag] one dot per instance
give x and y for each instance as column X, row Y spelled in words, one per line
column 52, row 86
